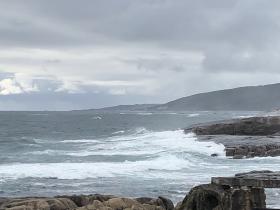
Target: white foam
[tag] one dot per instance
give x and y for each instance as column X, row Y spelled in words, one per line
column 194, row 115
column 170, row 155
column 245, row 116
column 97, row 118
column 143, row 142
column 92, row 170
column 118, row 132
column 80, row 141
column 145, row 113
column 46, row 152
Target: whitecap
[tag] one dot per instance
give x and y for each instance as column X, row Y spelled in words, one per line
column 79, row 141
column 145, row 113
column 194, row 115
column 245, row 116
column 97, row 118
column 144, row 142
column 118, row 132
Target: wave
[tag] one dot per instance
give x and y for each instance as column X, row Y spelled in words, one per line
column 118, row 132
column 79, row 141
column 97, row 118
column 165, row 155
column 40, row 114
column 145, row 113
column 183, row 167
column 141, row 142
column 245, row 116
column 194, row 115
column 46, row 152
column 147, row 168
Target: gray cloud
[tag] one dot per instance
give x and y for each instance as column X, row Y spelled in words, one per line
column 156, row 50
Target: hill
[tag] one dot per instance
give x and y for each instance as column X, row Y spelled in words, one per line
column 251, row 98
column 135, row 107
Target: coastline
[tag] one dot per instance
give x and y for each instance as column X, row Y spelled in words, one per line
column 243, row 138
column 244, row 142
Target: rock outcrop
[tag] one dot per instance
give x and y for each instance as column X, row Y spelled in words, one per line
column 218, row 197
column 86, row 202
column 254, row 126
column 38, row 204
column 243, row 138
column 244, row 191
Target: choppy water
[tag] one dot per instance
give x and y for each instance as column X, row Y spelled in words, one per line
column 128, row 154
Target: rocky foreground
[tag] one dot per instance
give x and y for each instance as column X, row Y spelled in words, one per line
column 86, row 202
column 243, row 191
column 249, row 137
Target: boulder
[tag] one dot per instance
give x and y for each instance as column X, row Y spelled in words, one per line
column 38, row 204
column 94, row 206
column 83, row 200
column 163, row 202
column 86, row 202
column 128, row 204
column 218, row 197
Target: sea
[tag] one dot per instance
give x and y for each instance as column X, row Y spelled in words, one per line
column 132, row 154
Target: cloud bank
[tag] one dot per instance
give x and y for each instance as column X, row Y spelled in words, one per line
column 127, row 51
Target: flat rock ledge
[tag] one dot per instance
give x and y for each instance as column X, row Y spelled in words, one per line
column 85, row 202
column 243, row 138
column 244, row 191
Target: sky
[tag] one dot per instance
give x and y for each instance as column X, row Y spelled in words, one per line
column 69, row 54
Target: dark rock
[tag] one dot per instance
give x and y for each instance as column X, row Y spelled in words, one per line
column 218, row 197
column 178, row 205
column 168, row 204
column 238, row 157
column 255, row 126
column 273, row 152
column 247, row 146
column 214, row 155
column 255, row 179
column 206, row 197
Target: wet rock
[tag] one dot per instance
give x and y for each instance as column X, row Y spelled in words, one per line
column 238, row 157
column 214, row 155
column 254, row 126
column 247, row 146
column 206, row 197
column 178, row 205
column 167, row 203
column 249, row 137
column 218, row 197
column 273, row 152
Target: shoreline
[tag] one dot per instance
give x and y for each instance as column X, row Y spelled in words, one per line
column 243, row 138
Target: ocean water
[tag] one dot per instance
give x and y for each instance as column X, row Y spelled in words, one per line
column 127, row 154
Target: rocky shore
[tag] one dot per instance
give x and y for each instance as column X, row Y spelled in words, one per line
column 243, row 191
column 243, row 138
column 86, row 202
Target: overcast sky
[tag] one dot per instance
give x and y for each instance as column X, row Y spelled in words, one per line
column 70, row 54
